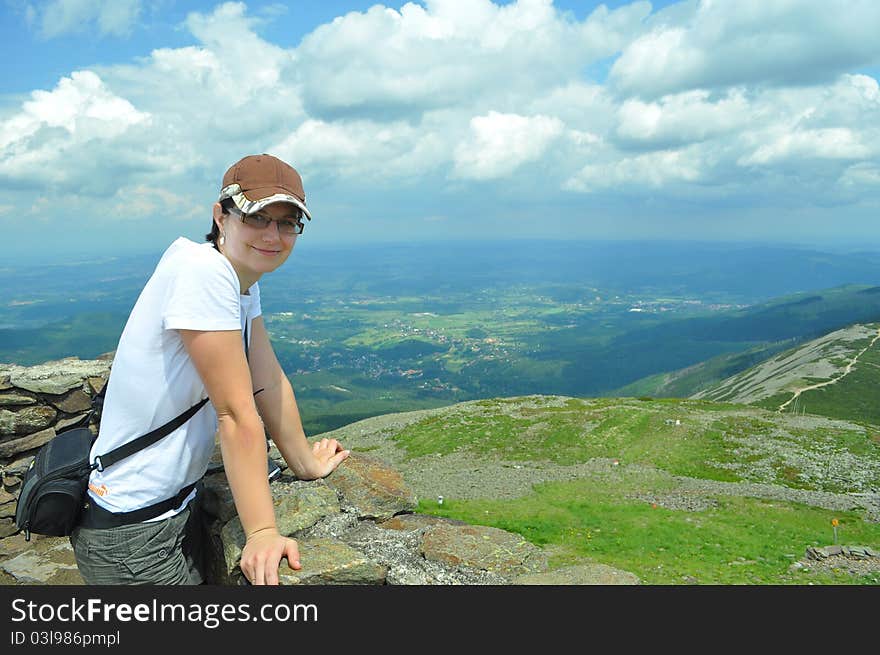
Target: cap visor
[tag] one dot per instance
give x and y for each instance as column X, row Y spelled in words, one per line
column 278, row 197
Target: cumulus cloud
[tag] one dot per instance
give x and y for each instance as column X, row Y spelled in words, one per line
column 652, row 170
column 804, row 142
column 861, row 175
column 363, row 150
column 830, row 143
column 776, row 42
column 169, row 115
column 106, row 17
column 139, row 201
column 38, row 143
column 835, row 122
column 681, row 118
column 453, row 52
column 501, row 143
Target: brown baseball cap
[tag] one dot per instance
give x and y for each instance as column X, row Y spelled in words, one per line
column 259, row 180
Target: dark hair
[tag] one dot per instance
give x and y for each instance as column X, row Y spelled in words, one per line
column 214, row 234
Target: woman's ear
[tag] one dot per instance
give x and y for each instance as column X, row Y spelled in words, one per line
column 219, row 216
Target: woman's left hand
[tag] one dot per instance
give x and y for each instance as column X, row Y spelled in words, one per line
column 328, row 455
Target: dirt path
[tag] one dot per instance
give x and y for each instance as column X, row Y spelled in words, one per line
column 846, row 372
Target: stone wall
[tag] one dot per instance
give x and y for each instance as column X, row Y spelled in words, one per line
column 358, row 525
column 35, row 403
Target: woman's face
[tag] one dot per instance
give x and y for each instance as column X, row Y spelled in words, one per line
column 254, row 251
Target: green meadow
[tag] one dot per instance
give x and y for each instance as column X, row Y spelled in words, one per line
column 609, row 517
column 744, row 541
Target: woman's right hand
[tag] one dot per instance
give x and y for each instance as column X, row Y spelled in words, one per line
column 263, row 553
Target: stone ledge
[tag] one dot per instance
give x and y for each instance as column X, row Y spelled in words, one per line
column 853, row 552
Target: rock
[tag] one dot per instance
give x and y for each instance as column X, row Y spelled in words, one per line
column 75, row 400
column 17, row 466
column 25, row 420
column 57, row 377
column 482, row 547
column 398, row 551
column 372, row 487
column 11, row 399
column 7, row 528
column 8, row 502
column 217, row 498
column 66, row 422
column 14, row 544
column 298, row 505
column 48, row 562
column 97, row 383
column 330, row 561
column 16, row 446
column 580, row 574
column 859, row 552
column 411, row 522
column 11, row 482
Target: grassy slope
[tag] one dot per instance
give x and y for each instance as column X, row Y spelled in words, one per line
column 619, row 515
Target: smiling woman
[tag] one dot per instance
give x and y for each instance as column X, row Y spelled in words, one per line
column 196, row 330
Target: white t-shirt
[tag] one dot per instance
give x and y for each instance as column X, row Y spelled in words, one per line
column 152, row 379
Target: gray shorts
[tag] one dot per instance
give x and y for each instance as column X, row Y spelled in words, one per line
column 165, row 552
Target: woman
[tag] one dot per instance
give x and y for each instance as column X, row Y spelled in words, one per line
column 196, row 332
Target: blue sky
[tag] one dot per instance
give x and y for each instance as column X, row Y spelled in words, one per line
column 755, row 120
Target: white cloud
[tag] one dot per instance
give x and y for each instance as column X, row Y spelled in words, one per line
column 862, row 175
column 243, row 63
column 45, row 140
column 110, row 17
column 777, row 42
column 452, row 53
column 158, row 121
column 791, row 127
column 363, row 151
column 141, row 201
column 501, row 143
column 682, row 118
column 652, row 170
column 829, row 143
column 581, row 106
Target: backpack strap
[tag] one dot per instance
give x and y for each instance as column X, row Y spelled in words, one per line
column 103, row 461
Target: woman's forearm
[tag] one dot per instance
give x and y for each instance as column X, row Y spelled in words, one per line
column 279, row 411
column 243, row 446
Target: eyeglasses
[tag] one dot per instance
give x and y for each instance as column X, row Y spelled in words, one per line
column 287, row 226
